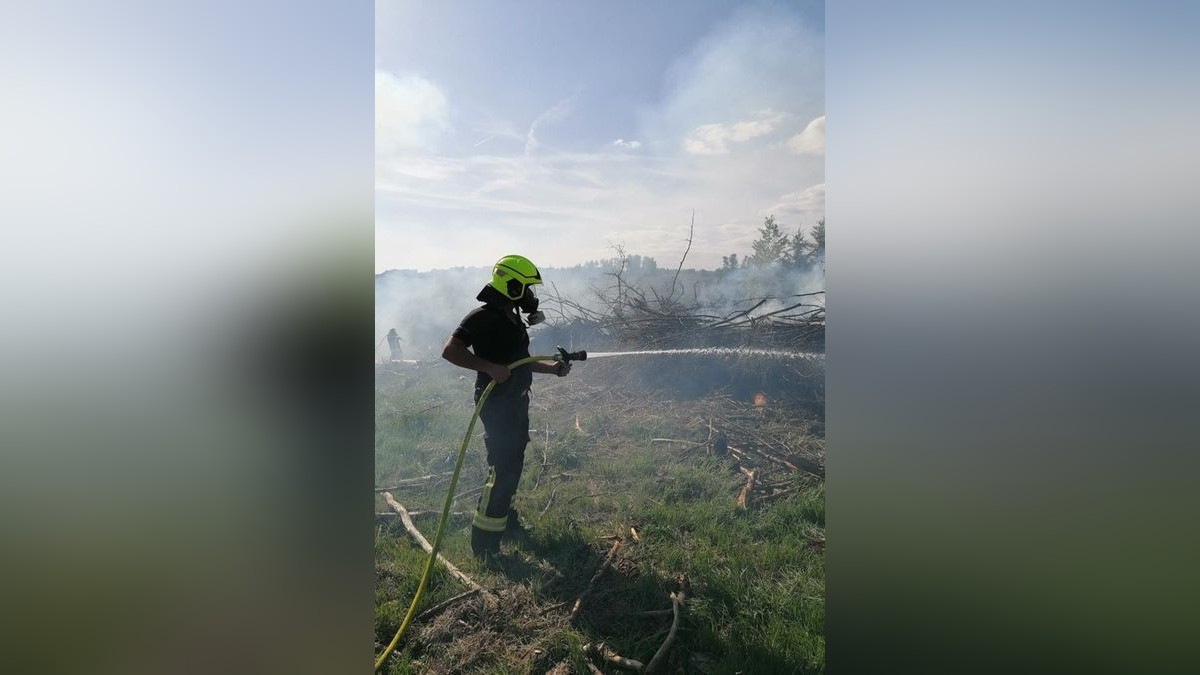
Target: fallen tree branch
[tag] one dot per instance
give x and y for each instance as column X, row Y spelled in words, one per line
column 737, row 453
column 612, row 552
column 676, row 600
column 446, row 603
column 601, row 651
column 409, row 482
column 744, row 494
column 740, row 314
column 425, row 513
column 412, row 529
column 777, row 460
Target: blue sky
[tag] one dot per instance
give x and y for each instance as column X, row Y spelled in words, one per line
column 559, row 130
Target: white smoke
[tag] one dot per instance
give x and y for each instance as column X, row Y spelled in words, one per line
column 426, row 307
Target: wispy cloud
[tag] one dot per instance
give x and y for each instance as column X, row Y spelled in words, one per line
column 411, row 113
column 556, row 112
column 631, row 145
column 811, row 141
column 714, row 139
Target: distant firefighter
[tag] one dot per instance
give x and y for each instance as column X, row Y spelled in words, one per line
column 393, row 339
column 720, row 445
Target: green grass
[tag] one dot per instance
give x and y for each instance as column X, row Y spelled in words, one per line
column 755, row 580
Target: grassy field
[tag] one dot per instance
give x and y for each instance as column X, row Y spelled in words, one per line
column 612, row 455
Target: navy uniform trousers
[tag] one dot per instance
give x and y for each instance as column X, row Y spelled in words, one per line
column 506, row 433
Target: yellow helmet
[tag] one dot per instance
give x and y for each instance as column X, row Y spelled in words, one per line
column 512, row 274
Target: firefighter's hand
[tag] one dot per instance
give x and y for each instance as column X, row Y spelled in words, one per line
column 498, row 373
column 564, row 367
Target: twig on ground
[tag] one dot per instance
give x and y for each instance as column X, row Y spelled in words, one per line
column 445, row 603
column 676, row 601
column 412, row 529
column 738, row 453
column 773, row 458
column 601, row 651
column 424, row 513
column 469, row 493
column 550, row 501
column 557, row 605
column 409, row 482
column 612, row 552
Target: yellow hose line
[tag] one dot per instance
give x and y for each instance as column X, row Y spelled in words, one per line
column 437, row 539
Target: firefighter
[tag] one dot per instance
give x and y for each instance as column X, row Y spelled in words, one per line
column 393, row 339
column 488, row 338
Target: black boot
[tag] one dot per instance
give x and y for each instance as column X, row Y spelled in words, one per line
column 484, row 544
column 516, row 530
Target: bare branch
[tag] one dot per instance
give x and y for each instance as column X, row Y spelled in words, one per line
column 676, row 600
column 691, row 230
column 416, row 534
column 433, row 611
column 424, row 513
column 409, row 482
column 550, row 501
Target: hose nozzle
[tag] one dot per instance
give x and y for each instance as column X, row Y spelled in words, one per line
column 564, row 355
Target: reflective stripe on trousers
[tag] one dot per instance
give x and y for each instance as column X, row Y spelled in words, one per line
column 482, row 520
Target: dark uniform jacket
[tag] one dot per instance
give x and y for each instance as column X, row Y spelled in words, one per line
column 493, row 335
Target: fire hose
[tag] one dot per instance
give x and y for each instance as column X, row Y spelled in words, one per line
column 562, row 356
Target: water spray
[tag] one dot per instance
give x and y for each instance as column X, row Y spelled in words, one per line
column 719, row 351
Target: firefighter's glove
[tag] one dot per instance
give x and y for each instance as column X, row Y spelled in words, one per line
column 564, row 367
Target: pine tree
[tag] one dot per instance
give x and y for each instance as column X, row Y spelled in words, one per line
column 772, row 244
column 799, row 251
column 817, row 253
